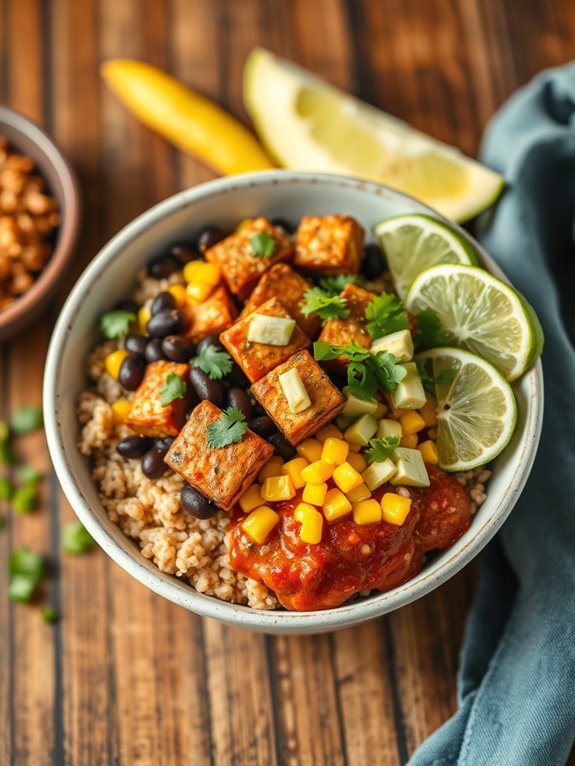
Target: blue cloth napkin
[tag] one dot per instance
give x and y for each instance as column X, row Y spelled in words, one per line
column 516, row 685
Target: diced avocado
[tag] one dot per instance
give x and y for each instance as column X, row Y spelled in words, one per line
column 274, row 331
column 361, row 431
column 411, row 469
column 354, row 407
column 410, row 393
column 388, row 427
column 294, row 391
column 378, row 473
column 400, row 344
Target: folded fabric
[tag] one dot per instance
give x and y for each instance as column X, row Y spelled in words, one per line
column 516, row 685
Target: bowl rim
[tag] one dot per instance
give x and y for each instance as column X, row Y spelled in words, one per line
column 454, row 559
column 70, row 210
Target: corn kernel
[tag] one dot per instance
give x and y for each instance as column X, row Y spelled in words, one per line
column 144, row 316
column 199, row 271
column 362, row 492
column 412, row 423
column 300, row 510
column 260, row 523
column 395, row 508
column 409, row 441
column 317, row 472
column 180, row 295
column 199, row 291
column 113, row 362
column 293, row 469
column 357, row 461
column 346, row 477
column 272, row 468
column 334, row 451
column 311, row 527
column 395, row 414
column 310, row 449
column 278, row 488
column 429, row 452
column 251, row 499
column 335, row 505
column 367, row 512
column 314, row 493
column 327, row 432
column 120, row 409
column 355, row 448
column 429, row 412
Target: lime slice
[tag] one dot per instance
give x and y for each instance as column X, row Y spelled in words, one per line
column 476, row 409
column 480, row 313
column 307, row 124
column 412, row 243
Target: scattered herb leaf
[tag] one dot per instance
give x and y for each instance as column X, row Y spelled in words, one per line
column 6, row 454
column 388, row 372
column 352, row 351
column 214, row 362
column 380, row 449
column 50, row 615
column 116, row 323
column 27, row 474
column 366, row 372
column 334, row 285
column 229, row 428
column 6, row 488
column 23, row 561
column 76, row 539
column 325, row 305
column 362, row 380
column 385, row 315
column 174, row 388
column 263, row 245
column 24, row 499
column 429, row 381
column 428, row 331
column 22, row 588
column 25, row 420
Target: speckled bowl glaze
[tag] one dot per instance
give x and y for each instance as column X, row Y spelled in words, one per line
column 110, row 277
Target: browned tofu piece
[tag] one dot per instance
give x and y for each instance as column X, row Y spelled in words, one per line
column 284, row 283
column 147, row 415
column 327, row 401
column 214, row 314
column 222, row 474
column 329, row 244
column 256, row 359
column 240, row 267
column 340, row 332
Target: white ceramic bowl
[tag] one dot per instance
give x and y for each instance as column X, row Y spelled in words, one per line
column 110, row 277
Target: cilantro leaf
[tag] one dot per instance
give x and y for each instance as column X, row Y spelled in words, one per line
column 334, row 285
column 381, row 449
column 174, row 388
column 24, row 420
column 229, row 428
column 387, row 370
column 428, row 331
column 352, row 351
column 385, row 315
column 26, row 568
column 25, row 499
column 429, row 381
column 116, row 323
column 76, row 539
column 263, row 245
column 214, row 362
column 50, row 614
column 22, row 588
column 362, row 380
column 324, row 305
column 366, row 372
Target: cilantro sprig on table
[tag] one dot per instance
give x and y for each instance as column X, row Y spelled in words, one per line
column 428, row 331
column 116, row 323
column 174, row 388
column 380, row 449
column 229, row 428
column 263, row 245
column 214, row 362
column 26, row 569
column 385, row 315
column 323, row 304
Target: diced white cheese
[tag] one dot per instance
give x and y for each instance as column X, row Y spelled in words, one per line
column 354, row 407
column 400, row 344
column 377, row 474
column 274, row 331
column 361, row 431
column 294, row 391
column 410, row 468
column 410, row 393
column 388, row 427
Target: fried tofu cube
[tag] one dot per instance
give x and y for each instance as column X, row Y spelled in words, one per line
column 223, row 474
column 235, row 255
column 147, row 414
column 282, row 282
column 329, row 244
column 214, row 314
column 256, row 359
column 340, row 332
column 326, row 400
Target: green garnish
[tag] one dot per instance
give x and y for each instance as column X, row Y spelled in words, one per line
column 26, row 568
column 6, row 488
column 380, row 449
column 27, row 474
column 76, row 539
column 50, row 614
column 6, row 454
column 385, row 315
column 352, row 351
column 116, row 323
column 174, row 388
column 24, row 499
column 389, row 373
column 263, row 245
column 4, row 431
column 214, row 362
column 25, row 420
column 428, row 331
column 229, row 428
column 429, row 381
column 324, row 305
column 334, row 285
column 22, row 588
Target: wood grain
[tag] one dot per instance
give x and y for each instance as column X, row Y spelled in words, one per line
column 125, row 677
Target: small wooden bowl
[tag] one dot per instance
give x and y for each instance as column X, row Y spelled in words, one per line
column 26, row 137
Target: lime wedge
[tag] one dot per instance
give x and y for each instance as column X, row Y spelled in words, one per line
column 476, row 409
column 412, row 243
column 307, row 124
column 480, row 313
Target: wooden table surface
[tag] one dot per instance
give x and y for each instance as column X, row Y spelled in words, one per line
column 126, row 677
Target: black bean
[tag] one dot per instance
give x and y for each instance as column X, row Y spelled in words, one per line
column 154, row 351
column 185, row 253
column 153, row 465
column 130, row 306
column 263, row 426
column 205, row 387
column 164, row 443
column 136, row 344
column 259, row 411
column 196, row 504
column 338, row 380
column 284, row 224
column 166, row 323
column 372, row 264
column 238, row 399
column 210, row 340
column 177, row 348
column 237, row 377
column 162, row 267
column 209, row 237
column 133, row 446
column 281, row 445
column 163, row 301
column 131, row 372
